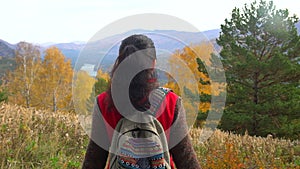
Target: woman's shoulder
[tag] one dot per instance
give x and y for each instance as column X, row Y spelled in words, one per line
column 169, row 92
column 102, row 95
column 170, row 97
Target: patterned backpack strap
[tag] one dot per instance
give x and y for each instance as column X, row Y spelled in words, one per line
column 156, row 99
column 138, row 145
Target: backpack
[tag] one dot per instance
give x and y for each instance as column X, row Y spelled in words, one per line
column 141, row 145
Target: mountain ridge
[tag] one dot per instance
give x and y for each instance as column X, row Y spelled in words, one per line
column 72, row 49
column 6, row 49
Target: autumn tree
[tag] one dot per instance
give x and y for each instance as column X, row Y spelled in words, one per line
column 260, row 53
column 197, row 58
column 55, row 89
column 82, row 91
column 100, row 85
column 102, row 80
column 21, row 81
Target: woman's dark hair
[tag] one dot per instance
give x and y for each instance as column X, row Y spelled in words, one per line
column 146, row 80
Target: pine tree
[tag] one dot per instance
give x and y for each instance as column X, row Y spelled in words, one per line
column 260, row 53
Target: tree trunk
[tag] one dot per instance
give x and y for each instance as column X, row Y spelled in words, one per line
column 255, row 100
column 54, row 103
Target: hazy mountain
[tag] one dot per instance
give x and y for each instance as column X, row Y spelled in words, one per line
column 6, row 49
column 106, row 49
column 166, row 42
column 47, row 44
column 70, row 46
column 7, row 62
column 70, row 50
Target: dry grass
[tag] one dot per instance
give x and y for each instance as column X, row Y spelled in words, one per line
column 226, row 150
column 32, row 138
column 39, row 139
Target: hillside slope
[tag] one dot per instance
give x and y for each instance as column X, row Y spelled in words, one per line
column 32, row 138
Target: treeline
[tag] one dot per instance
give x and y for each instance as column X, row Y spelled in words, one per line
column 50, row 83
column 42, row 83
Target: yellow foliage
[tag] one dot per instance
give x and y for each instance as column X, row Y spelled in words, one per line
column 187, row 57
column 55, row 90
column 103, row 75
column 190, row 55
column 83, row 88
column 22, row 80
column 204, row 106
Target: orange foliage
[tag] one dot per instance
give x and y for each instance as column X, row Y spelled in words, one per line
column 187, row 58
column 55, row 90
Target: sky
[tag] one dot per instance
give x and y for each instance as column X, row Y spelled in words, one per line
column 62, row 21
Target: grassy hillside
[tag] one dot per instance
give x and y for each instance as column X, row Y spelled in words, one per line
column 32, row 138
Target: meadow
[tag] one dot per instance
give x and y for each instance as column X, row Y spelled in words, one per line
column 31, row 138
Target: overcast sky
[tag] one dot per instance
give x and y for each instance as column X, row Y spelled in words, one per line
column 40, row 21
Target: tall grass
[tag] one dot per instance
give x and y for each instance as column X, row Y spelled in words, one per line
column 39, row 139
column 32, row 138
column 226, row 150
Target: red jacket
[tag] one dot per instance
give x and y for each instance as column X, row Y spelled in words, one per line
column 165, row 117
